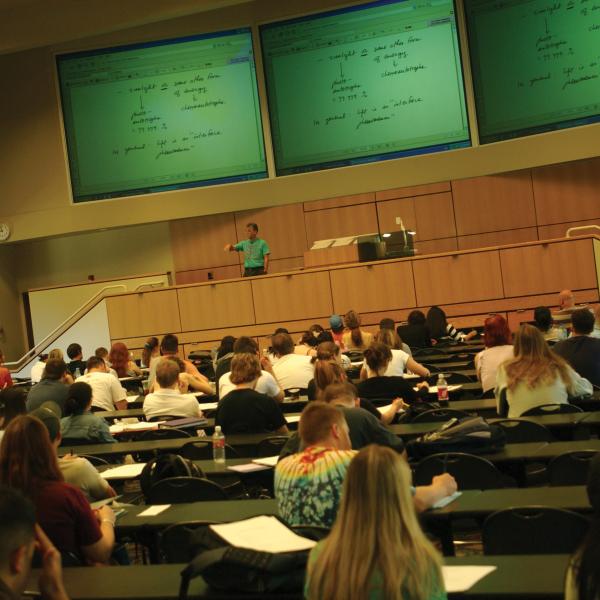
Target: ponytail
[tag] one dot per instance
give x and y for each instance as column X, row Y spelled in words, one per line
column 326, row 372
column 78, row 399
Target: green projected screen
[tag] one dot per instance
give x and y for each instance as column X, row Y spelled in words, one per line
column 535, row 63
column 164, row 115
column 364, row 83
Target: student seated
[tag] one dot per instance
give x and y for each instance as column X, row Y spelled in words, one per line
column 308, row 484
column 37, row 369
column 151, row 350
column 107, row 393
column 120, row 360
column 440, row 329
column 416, row 332
column 498, row 349
column 167, row 398
column 52, row 387
column 28, row 463
column 544, row 322
column 307, row 344
column 244, row 410
column 12, row 404
column 79, row 422
column 222, row 363
column 76, row 470
column 376, row 548
column 291, row 370
column 77, row 365
column 355, row 338
column 536, row 375
column 20, row 537
column 390, row 325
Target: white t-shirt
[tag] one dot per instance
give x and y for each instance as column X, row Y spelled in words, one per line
column 294, row 371
column 397, row 365
column 266, row 384
column 171, row 402
column 37, row 370
column 487, row 362
column 106, row 389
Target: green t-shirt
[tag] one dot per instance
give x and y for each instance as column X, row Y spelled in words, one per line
column 254, row 252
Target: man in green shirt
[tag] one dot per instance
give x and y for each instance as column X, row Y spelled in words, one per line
column 256, row 252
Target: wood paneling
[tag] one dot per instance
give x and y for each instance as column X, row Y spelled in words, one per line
column 565, row 191
column 339, row 202
column 435, row 246
column 201, row 275
column 292, row 297
column 458, row 278
column 559, row 230
column 198, row 243
column 373, row 287
column 286, row 264
column 401, row 207
column 546, row 268
column 281, row 226
column 340, row 222
column 216, row 305
column 415, row 190
column 143, row 314
column 435, row 216
column 497, row 238
column 494, row 203
column 331, row 256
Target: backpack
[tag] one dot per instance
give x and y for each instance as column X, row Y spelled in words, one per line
column 472, row 435
column 164, row 466
column 416, row 408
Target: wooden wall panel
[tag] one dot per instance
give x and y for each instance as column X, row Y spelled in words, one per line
column 567, row 191
column 201, row 275
column 547, row 268
column 415, row 190
column 435, row 216
column 143, row 314
column 286, row 264
column 401, row 207
column 559, row 230
column 212, row 306
column 281, row 226
column 340, row 222
column 494, row 203
column 198, row 243
column 497, row 238
column 373, row 288
column 340, row 201
column 458, row 278
column 292, row 297
column 435, row 246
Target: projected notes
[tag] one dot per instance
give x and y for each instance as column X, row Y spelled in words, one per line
column 162, row 116
column 364, row 83
column 536, row 64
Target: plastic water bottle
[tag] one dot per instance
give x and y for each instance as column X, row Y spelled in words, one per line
column 442, row 389
column 218, row 443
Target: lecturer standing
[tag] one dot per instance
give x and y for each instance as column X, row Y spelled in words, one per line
column 256, row 252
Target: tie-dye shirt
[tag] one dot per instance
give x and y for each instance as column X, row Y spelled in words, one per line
column 308, row 485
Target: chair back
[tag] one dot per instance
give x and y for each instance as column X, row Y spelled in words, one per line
column 520, row 431
column 171, row 433
column 533, row 530
column 551, row 409
column 97, row 461
column 271, row 446
column 202, row 450
column 570, row 468
column 176, row 490
column 488, row 394
column 471, row 472
column 440, row 414
column 425, row 352
column 174, row 541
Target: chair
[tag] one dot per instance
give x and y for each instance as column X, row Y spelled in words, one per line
column 570, row 468
column 431, row 367
column 271, row 446
column 202, row 450
column 312, row 532
column 533, row 530
column 174, row 541
column 452, row 378
column 471, row 472
column 440, row 414
column 97, row 461
column 170, row 433
column 176, row 490
column 551, row 409
column 520, row 431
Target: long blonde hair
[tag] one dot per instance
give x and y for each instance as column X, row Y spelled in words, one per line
column 376, row 530
column 534, row 363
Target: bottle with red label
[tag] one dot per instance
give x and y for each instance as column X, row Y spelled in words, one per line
column 218, row 444
column 442, row 389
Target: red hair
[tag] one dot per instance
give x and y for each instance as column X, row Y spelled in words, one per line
column 496, row 332
column 119, row 358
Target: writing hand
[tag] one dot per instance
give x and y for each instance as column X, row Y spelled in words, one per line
column 446, row 483
column 50, row 581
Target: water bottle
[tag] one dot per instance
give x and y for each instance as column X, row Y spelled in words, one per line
column 442, row 389
column 218, row 443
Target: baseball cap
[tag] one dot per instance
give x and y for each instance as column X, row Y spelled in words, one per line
column 49, row 414
column 335, row 321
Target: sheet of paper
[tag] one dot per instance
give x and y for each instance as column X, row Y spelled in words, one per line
column 460, row 578
column 132, row 398
column 343, row 241
column 124, row 471
column 265, row 534
column 292, row 418
column 269, row 461
column 103, row 502
column 446, row 500
column 410, row 376
column 321, row 244
column 433, row 388
column 208, row 405
column 154, row 510
column 247, row 468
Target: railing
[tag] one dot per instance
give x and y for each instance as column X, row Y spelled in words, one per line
column 64, row 326
column 572, row 229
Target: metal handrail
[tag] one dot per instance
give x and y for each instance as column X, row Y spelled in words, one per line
column 58, row 331
column 579, row 228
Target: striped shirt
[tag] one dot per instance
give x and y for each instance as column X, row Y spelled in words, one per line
column 308, row 485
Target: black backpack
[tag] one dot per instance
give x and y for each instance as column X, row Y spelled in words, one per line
column 417, row 408
column 164, row 466
column 472, row 435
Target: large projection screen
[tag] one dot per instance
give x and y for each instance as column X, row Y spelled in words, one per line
column 164, row 115
column 364, row 83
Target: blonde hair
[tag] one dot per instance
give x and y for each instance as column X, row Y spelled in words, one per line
column 376, row 531
column 56, row 354
column 534, row 363
column 388, row 337
column 244, row 368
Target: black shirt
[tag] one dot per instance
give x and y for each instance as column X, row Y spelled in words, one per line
column 77, row 364
column 416, row 336
column 582, row 352
column 387, row 388
column 223, row 366
column 247, row 411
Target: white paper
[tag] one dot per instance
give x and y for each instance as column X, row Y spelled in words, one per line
column 433, row 388
column 132, row 398
column 139, row 426
column 208, row 405
column 343, row 241
column 292, row 418
column 410, row 376
column 154, row 510
column 460, row 578
column 247, row 468
column 446, row 500
column 124, row 471
column 264, row 534
column 269, row 461
column 384, row 409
